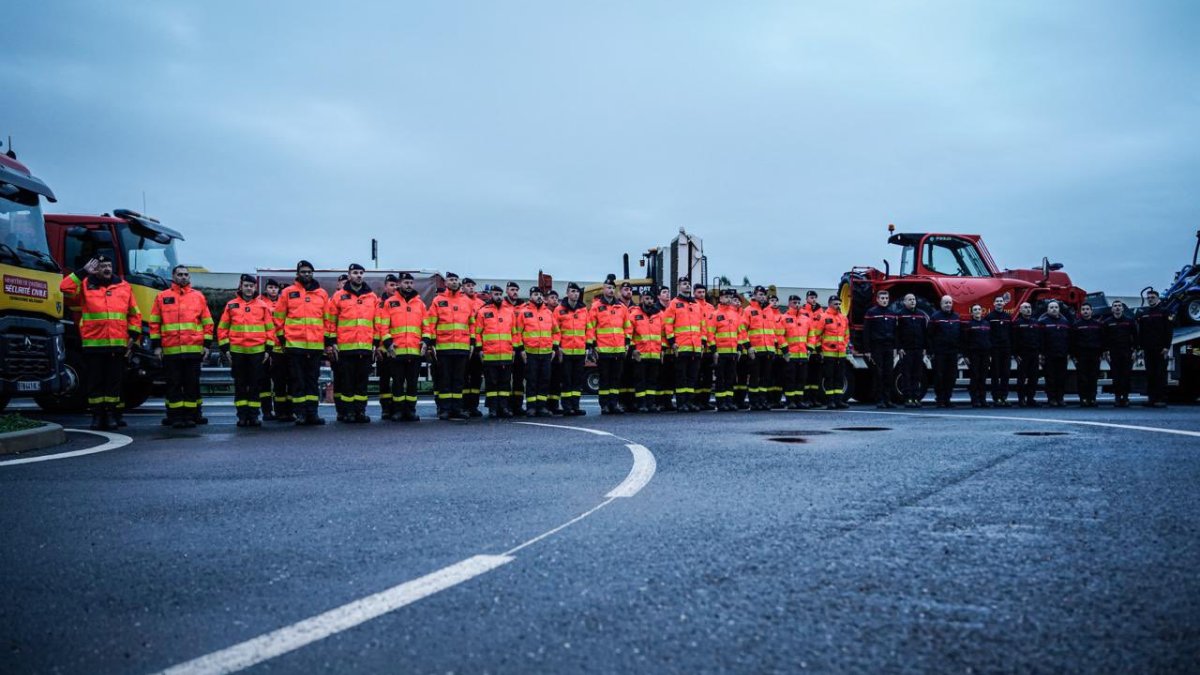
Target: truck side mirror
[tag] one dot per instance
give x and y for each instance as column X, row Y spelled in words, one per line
column 1045, row 269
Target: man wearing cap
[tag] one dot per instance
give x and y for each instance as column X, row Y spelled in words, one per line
column 728, row 339
column 666, row 369
column 350, row 343
column 879, row 344
column 629, row 370
column 276, row 399
column 383, row 362
column 474, row 376
column 516, row 402
column 495, row 339
column 646, row 351
column 812, row 388
column 683, row 326
column 247, row 329
column 779, row 361
column 761, row 326
column 1155, row 333
column 447, row 340
column 797, row 331
column 109, row 326
column 572, row 317
column 554, row 405
column 833, row 332
column 300, row 328
column 181, row 334
column 401, row 317
column 537, row 341
column 707, row 357
column 609, row 333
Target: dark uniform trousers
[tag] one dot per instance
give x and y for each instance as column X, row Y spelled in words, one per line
column 473, row 382
column 945, row 372
column 629, row 374
column 761, row 368
column 247, row 371
column 608, row 367
column 572, row 381
column 646, row 382
column 812, row 389
column 305, row 382
column 183, row 386
column 497, row 376
column 779, row 374
column 912, row 371
column 1087, row 374
column 1027, row 376
column 884, row 359
column 980, row 364
column 1156, row 375
column 1120, row 364
column 687, row 369
column 741, row 381
column 383, row 375
column 1001, row 372
column 537, row 379
column 704, row 380
column 727, row 377
column 354, row 372
column 517, row 399
column 666, row 382
column 105, row 367
column 1056, row 377
column 797, row 376
column 451, row 378
column 556, row 382
column 404, row 373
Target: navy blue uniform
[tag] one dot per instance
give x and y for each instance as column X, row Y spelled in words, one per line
column 1087, row 341
column 1154, row 338
column 912, row 328
column 879, row 340
column 1056, row 348
column 1001, row 334
column 977, row 345
column 1120, row 339
column 945, row 343
column 1027, row 345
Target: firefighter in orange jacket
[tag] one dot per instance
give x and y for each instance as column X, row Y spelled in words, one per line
column 516, row 402
column 350, row 342
column 473, row 378
column 683, row 325
column 797, row 329
column 761, row 327
column 833, row 335
column 181, row 334
column 556, row 364
column 537, row 340
column 247, row 331
column 495, row 340
column 812, row 388
column 704, row 373
column 300, row 328
column 109, row 326
column 608, row 332
column 447, row 339
column 401, row 317
column 572, row 318
column 276, row 400
column 648, row 341
column 383, row 360
column 728, row 339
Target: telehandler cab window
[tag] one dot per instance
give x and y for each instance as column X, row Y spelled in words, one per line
column 954, row 257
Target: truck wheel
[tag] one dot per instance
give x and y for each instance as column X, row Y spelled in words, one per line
column 135, row 393
column 73, row 399
column 1190, row 313
column 591, row 382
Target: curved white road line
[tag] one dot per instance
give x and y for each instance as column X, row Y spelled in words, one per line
column 114, row 441
column 1051, row 420
column 303, row 633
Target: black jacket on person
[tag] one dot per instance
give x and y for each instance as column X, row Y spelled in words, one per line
column 1120, row 334
column 1087, row 336
column 1026, row 335
column 1056, row 335
column 879, row 329
column 1154, row 329
column 978, row 336
column 912, row 328
column 945, row 332
column 1001, row 322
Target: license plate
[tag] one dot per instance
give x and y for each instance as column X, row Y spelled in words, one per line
column 29, row 386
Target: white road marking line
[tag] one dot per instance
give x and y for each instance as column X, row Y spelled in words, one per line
column 1051, row 420
column 114, row 441
column 321, row 626
column 643, row 470
column 303, row 633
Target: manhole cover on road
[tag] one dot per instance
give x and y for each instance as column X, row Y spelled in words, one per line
column 788, row 439
column 1040, row 433
column 862, row 428
column 793, row 433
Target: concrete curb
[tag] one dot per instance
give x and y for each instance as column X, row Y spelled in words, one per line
column 32, row 439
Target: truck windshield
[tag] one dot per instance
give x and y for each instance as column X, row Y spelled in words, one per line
column 145, row 257
column 954, row 257
column 23, row 233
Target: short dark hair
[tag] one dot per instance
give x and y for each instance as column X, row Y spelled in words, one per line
column 179, row 267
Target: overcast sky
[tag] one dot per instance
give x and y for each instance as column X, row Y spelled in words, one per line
column 496, row 138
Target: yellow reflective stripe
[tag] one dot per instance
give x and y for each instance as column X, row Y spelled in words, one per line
column 247, row 328
column 104, row 342
column 497, row 336
column 609, row 331
column 102, row 316
column 344, row 323
column 536, row 333
column 181, row 326
column 573, row 333
column 253, row 349
column 183, row 349
column 306, row 321
column 405, row 329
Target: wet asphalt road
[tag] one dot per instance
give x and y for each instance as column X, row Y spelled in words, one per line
column 860, row 542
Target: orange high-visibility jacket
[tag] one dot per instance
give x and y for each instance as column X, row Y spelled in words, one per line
column 246, row 326
column 572, row 328
column 300, row 316
column 796, row 333
column 448, row 321
column 398, row 323
column 683, row 322
column 708, row 319
column 832, row 333
column 609, row 329
column 180, row 321
column 350, row 319
column 729, row 329
column 761, row 326
column 494, row 331
column 109, row 315
column 648, row 331
column 537, row 329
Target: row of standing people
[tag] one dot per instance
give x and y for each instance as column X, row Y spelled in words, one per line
column 1041, row 346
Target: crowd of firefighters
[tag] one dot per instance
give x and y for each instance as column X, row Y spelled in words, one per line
column 527, row 356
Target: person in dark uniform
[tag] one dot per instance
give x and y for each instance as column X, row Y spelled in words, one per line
column 1120, row 339
column 977, row 345
column 1056, row 349
column 945, row 344
column 1027, row 346
column 879, row 344
column 1155, row 332
column 912, row 328
column 1001, row 356
column 1087, row 342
